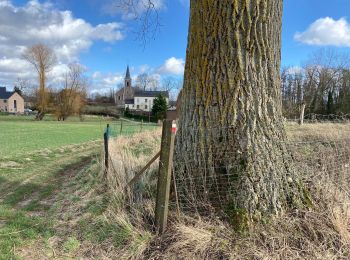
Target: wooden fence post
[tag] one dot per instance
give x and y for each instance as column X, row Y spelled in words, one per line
column 141, row 125
column 302, row 111
column 105, row 138
column 121, row 127
column 164, row 175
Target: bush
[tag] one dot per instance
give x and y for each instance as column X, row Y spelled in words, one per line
column 145, row 118
column 160, row 107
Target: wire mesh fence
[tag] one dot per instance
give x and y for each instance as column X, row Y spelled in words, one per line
column 318, row 153
column 320, row 118
column 125, row 128
column 321, row 160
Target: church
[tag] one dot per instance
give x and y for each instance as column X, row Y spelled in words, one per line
column 136, row 99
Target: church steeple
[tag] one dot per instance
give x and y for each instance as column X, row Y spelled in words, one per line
column 127, row 78
column 127, row 75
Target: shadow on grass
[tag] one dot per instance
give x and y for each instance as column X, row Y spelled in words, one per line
column 22, row 215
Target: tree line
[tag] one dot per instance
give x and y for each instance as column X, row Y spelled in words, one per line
column 322, row 85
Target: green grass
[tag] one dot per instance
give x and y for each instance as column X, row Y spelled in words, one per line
column 45, row 166
column 26, row 212
column 21, row 134
column 71, row 245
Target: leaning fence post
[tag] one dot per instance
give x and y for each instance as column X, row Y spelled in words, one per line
column 106, row 137
column 121, row 127
column 164, row 174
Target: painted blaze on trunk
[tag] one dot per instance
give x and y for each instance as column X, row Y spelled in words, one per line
column 230, row 146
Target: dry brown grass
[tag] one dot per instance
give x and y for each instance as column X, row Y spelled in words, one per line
column 321, row 231
column 324, row 131
column 133, row 208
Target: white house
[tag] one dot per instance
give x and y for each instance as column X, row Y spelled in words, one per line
column 143, row 100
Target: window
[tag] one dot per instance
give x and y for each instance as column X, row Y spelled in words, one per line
column 137, row 106
column 118, row 97
column 133, row 106
column 145, row 100
column 15, row 104
column 5, row 100
column 145, row 106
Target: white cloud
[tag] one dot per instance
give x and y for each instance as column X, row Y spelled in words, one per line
column 172, row 66
column 326, row 31
column 104, row 82
column 144, row 68
column 295, row 70
column 35, row 22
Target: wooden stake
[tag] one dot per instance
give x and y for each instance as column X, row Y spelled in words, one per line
column 121, row 127
column 164, row 175
column 302, row 111
column 105, row 137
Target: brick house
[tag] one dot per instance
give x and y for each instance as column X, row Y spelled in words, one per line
column 11, row 102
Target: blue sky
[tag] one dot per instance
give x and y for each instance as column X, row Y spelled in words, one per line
column 298, row 15
column 92, row 33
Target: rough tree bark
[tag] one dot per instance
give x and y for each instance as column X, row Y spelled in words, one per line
column 231, row 122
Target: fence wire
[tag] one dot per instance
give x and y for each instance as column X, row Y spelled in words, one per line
column 319, row 153
column 129, row 128
column 322, row 163
column 319, row 118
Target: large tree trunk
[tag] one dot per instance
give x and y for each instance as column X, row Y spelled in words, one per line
column 230, row 148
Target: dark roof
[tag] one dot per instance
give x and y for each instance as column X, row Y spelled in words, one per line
column 5, row 94
column 172, row 103
column 127, row 75
column 151, row 93
column 129, row 101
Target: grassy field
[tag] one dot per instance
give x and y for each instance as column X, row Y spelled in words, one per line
column 21, row 134
column 55, row 203
column 46, row 167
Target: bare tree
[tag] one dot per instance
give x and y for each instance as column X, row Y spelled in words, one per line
column 154, row 83
column 173, row 86
column 23, row 85
column 43, row 59
column 146, row 81
column 112, row 95
column 71, row 98
column 143, row 11
column 143, row 81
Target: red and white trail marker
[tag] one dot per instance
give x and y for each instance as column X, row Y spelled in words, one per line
column 173, row 128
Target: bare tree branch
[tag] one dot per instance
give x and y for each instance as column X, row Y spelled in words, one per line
column 144, row 12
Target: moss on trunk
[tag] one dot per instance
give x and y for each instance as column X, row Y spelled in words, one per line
column 230, row 146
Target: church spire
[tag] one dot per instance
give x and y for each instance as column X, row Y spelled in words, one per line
column 127, row 76
column 127, row 79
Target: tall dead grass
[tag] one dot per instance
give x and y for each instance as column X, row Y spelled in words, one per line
column 132, row 208
column 322, row 231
